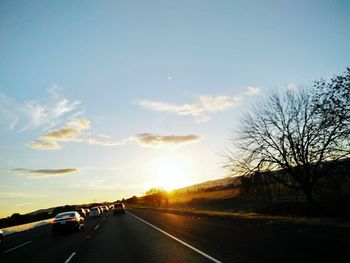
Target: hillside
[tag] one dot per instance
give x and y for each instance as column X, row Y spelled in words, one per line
column 212, row 185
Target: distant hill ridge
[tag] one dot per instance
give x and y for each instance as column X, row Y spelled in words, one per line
column 212, row 184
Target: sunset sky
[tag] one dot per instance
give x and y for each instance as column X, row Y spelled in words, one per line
column 101, row 100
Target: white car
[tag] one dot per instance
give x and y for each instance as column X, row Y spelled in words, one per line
column 1, row 237
column 95, row 212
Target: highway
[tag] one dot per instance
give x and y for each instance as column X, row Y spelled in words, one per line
column 144, row 235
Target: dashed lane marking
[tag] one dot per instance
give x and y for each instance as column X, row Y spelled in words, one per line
column 70, row 257
column 178, row 240
column 11, row 249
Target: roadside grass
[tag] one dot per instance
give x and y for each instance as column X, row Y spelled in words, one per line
column 210, row 195
column 252, row 216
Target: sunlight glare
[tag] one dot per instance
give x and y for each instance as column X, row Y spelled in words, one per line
column 170, row 176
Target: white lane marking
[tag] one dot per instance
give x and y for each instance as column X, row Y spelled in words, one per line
column 96, row 227
column 70, row 257
column 11, row 249
column 178, row 240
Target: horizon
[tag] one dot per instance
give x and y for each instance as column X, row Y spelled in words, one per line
column 104, row 101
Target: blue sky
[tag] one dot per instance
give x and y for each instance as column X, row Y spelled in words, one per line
column 98, row 100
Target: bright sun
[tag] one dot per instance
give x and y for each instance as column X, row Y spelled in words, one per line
column 170, row 176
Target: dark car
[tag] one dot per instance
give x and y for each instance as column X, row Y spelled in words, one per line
column 119, row 208
column 67, row 221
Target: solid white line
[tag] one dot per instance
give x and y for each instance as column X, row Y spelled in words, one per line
column 178, row 240
column 9, row 250
column 70, row 257
column 96, row 227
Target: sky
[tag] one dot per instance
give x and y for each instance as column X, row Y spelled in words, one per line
column 101, row 100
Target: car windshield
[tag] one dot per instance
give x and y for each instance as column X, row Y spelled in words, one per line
column 65, row 215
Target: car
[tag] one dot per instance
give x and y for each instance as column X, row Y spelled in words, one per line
column 67, row 221
column 87, row 210
column 105, row 209
column 1, row 237
column 95, row 212
column 119, row 208
column 82, row 212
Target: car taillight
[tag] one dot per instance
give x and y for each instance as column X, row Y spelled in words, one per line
column 54, row 222
column 73, row 219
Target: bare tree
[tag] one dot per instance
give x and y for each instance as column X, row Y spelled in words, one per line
column 290, row 134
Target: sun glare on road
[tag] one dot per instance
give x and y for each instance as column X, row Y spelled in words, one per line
column 170, row 176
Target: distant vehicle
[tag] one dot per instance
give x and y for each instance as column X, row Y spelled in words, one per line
column 119, row 208
column 67, row 221
column 1, row 237
column 95, row 212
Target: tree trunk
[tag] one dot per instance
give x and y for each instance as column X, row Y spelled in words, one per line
column 309, row 194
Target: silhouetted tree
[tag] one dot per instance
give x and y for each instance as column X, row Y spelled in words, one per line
column 132, row 200
column 295, row 131
column 156, row 195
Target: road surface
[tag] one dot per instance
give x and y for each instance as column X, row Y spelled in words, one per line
column 144, row 235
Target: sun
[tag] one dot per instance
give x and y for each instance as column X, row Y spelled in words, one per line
column 170, row 176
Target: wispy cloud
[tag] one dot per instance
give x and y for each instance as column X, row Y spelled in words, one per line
column 43, row 173
column 201, row 109
column 108, row 142
column 8, row 111
column 165, row 141
column 252, row 91
column 33, row 114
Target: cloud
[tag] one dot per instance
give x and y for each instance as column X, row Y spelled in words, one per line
column 168, row 141
column 253, row 91
column 200, row 109
column 44, row 145
column 43, row 173
column 64, row 134
column 33, row 114
column 72, row 131
column 109, row 143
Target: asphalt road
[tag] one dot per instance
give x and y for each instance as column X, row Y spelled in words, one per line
column 144, row 235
